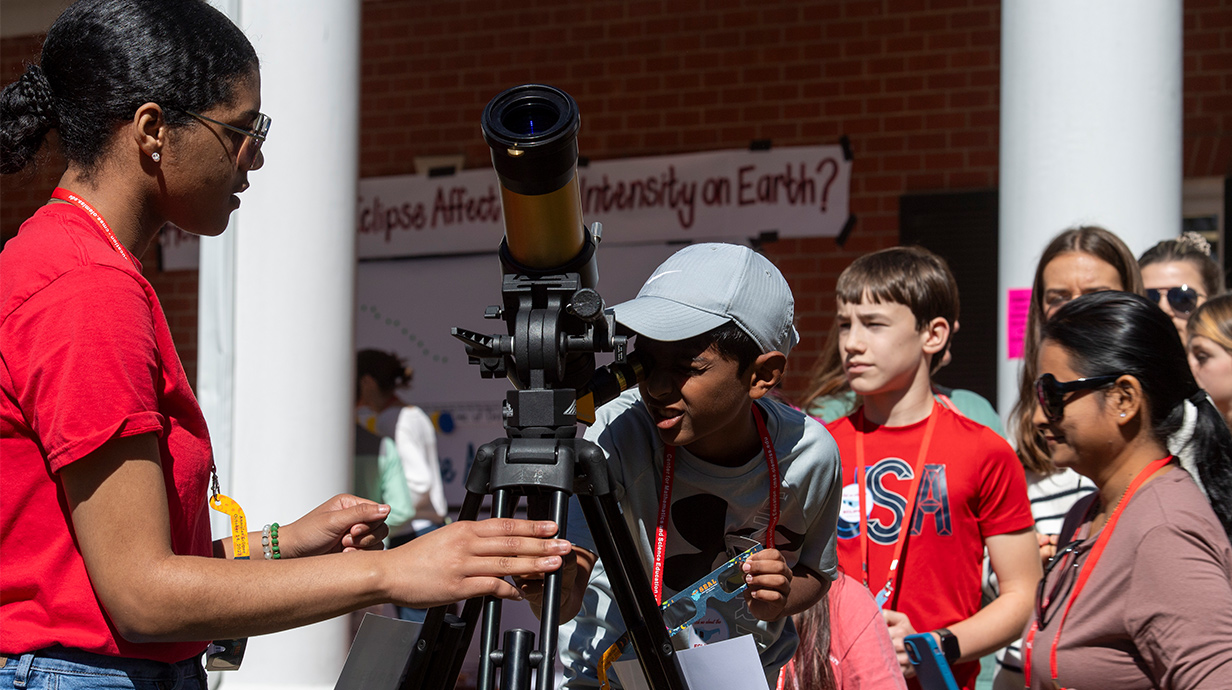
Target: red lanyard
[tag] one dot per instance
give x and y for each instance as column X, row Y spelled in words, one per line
column 64, row 195
column 665, row 501
column 886, row 595
column 1085, row 574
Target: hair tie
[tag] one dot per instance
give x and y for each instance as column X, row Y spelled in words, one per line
column 1181, row 441
column 1195, row 241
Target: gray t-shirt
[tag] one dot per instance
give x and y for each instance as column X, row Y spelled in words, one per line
column 1157, row 609
column 714, row 509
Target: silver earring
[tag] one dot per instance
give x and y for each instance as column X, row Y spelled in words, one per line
column 156, row 156
column 1122, row 414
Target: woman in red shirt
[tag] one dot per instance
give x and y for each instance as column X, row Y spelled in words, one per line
column 110, row 577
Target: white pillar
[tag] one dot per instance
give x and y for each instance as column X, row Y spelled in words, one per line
column 1090, row 133
column 284, row 418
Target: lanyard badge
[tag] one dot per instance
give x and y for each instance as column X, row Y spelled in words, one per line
column 226, row 655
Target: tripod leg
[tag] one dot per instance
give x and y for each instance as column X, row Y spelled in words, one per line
column 550, row 613
column 633, row 593
column 503, row 505
column 436, row 661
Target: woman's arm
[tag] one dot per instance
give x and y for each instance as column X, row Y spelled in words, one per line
column 117, row 499
column 1178, row 608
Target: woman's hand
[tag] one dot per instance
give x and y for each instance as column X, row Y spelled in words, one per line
column 343, row 523
column 467, row 559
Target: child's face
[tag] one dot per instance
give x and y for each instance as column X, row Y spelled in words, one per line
column 694, row 395
column 881, row 347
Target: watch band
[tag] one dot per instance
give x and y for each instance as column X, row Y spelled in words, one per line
column 949, row 645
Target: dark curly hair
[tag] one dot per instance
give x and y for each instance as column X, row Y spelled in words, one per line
column 102, row 59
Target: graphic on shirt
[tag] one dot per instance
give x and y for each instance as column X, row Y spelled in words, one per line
column 932, row 502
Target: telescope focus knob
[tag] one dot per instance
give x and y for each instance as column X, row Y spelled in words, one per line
column 586, row 304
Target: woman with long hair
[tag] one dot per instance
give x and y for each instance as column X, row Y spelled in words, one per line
column 1076, row 262
column 110, row 577
column 1140, row 596
column 1209, row 343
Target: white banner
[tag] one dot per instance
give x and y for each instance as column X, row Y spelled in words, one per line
column 408, row 306
column 734, row 195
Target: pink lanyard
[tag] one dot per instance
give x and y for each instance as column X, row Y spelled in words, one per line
column 1085, row 574
column 64, row 195
column 887, row 593
column 665, row 501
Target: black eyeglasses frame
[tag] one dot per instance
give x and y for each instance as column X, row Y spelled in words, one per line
column 1051, row 393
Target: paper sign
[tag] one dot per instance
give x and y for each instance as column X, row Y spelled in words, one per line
column 1017, row 305
column 728, row 665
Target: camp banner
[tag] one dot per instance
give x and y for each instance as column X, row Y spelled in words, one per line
column 719, row 195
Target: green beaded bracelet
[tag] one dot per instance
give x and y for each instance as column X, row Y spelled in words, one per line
column 269, row 542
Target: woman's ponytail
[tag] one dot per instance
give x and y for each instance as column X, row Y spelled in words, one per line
column 1203, row 445
column 27, row 113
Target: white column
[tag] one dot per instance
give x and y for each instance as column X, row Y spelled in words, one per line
column 1090, row 133
column 277, row 300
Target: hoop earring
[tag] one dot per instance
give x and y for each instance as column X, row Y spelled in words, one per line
column 156, row 156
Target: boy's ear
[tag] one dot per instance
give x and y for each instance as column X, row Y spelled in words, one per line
column 936, row 335
column 766, row 372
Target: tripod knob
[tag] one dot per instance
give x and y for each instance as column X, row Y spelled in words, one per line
column 586, row 304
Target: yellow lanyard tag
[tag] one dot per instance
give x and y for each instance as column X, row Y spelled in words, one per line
column 239, row 525
column 226, row 655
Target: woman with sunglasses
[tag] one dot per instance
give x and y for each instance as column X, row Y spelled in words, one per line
column 1179, row 275
column 110, row 578
column 1141, row 596
column 1209, row 343
column 1079, row 261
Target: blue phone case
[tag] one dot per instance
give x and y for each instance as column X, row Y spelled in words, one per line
column 930, row 665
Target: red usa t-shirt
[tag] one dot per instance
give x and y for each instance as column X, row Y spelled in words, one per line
column 85, row 356
column 972, row 487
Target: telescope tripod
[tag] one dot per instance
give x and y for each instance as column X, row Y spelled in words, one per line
column 543, row 461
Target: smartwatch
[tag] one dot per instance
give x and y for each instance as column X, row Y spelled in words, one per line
column 949, row 645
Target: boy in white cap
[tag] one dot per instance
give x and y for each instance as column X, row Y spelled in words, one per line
column 705, row 463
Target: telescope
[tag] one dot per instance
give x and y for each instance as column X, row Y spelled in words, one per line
column 555, row 323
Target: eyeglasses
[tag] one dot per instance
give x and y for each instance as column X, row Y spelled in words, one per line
column 1183, row 299
column 256, row 135
column 1051, row 392
column 1060, row 587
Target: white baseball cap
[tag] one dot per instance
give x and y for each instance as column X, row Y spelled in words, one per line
column 704, row 286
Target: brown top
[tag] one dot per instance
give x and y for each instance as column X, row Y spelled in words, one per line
column 1157, row 610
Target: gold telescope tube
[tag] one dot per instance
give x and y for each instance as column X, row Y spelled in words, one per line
column 532, row 132
column 544, row 230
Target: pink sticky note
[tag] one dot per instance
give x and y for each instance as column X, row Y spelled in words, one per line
column 1018, row 303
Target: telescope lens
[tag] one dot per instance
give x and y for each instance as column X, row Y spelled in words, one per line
column 530, row 117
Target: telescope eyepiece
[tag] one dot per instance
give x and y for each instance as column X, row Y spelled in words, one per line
column 532, row 131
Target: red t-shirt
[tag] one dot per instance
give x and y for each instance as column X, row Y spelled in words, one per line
column 86, row 357
column 972, row 487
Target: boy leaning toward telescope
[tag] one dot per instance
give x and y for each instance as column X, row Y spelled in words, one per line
column 706, row 464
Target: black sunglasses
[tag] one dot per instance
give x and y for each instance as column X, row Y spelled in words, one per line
column 1051, row 392
column 1061, row 586
column 1183, row 299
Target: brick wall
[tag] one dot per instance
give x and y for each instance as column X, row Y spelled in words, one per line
column 913, row 83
